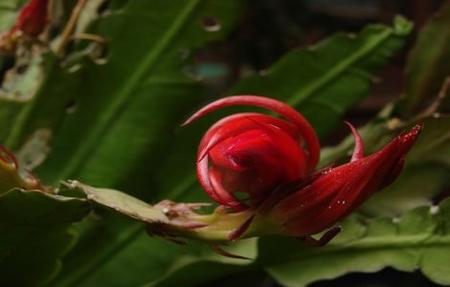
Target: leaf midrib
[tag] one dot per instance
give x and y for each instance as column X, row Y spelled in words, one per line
column 76, row 161
column 400, row 242
column 74, row 164
column 340, row 68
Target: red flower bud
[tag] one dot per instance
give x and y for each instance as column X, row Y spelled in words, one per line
column 336, row 192
column 32, row 18
column 254, row 153
column 272, row 160
column 31, row 22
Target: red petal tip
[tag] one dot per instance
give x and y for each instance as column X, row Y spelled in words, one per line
column 358, row 151
column 412, row 134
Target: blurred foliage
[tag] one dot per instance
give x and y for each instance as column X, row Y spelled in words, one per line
column 428, row 66
column 317, row 79
column 108, row 114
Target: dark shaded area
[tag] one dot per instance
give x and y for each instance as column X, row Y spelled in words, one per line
column 385, row 278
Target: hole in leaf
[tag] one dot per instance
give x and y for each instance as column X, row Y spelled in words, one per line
column 21, row 69
column 103, row 7
column 211, row 24
column 241, row 196
column 35, row 150
column 184, row 53
column 8, row 63
column 99, row 53
column 71, row 107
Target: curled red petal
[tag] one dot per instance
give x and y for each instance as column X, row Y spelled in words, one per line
column 234, row 125
column 212, row 187
column 290, row 114
column 358, row 151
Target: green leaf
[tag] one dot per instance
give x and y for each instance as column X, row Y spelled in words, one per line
column 425, row 174
column 8, row 13
column 148, row 259
column 416, row 186
column 119, row 201
column 112, row 100
column 122, row 127
column 428, row 62
column 327, row 79
column 9, row 108
column 190, row 271
column 34, row 235
column 419, row 239
column 33, row 101
column 434, row 143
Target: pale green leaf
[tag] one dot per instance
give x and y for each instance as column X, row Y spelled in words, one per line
column 418, row 240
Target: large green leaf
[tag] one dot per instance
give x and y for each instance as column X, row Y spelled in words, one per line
column 327, row 79
column 34, row 235
column 425, row 174
column 122, row 113
column 122, row 126
column 428, row 62
column 138, row 95
column 419, row 239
